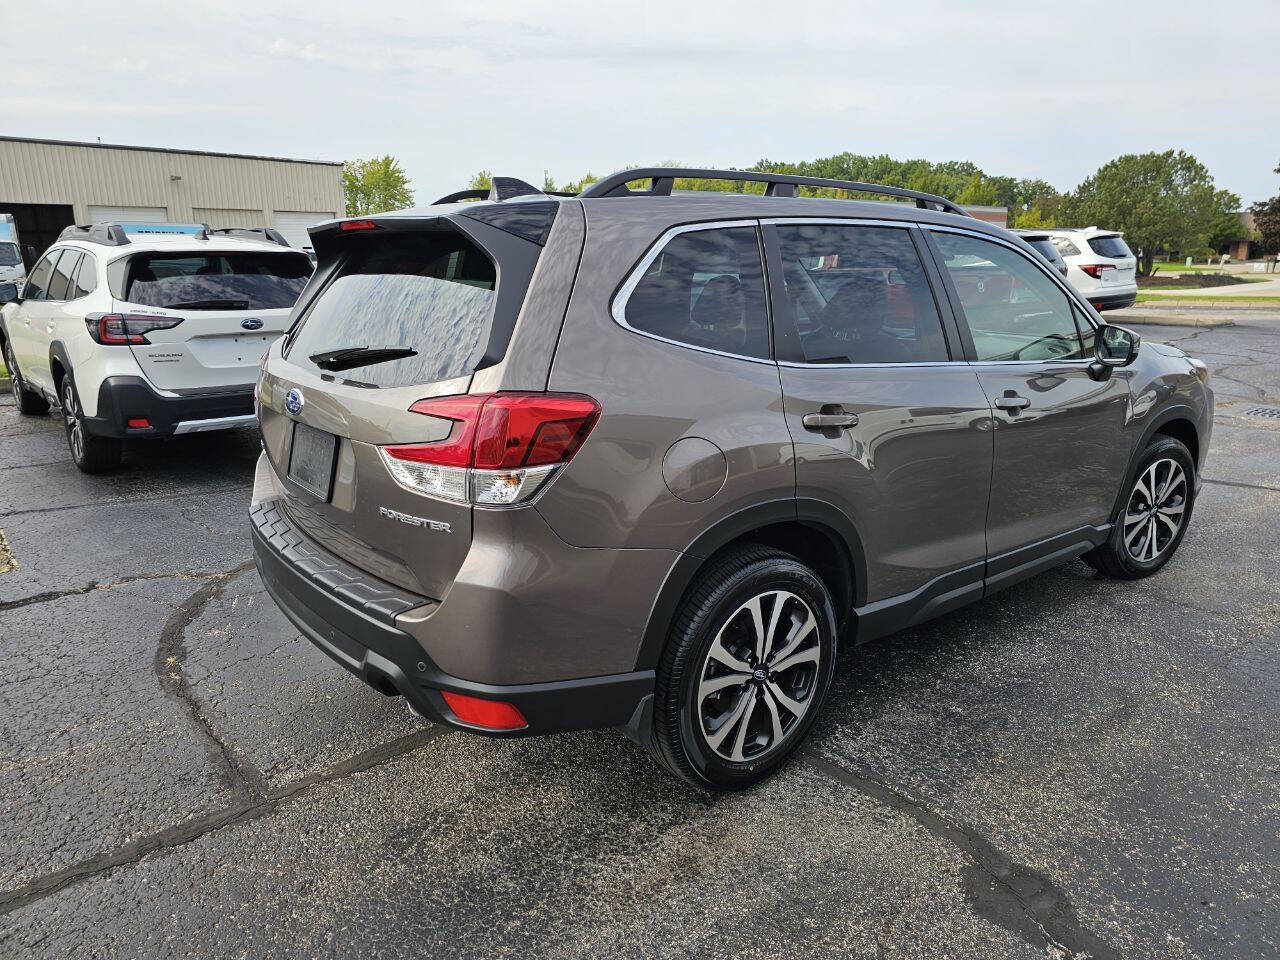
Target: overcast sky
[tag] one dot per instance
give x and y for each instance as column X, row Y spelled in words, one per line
column 1049, row 90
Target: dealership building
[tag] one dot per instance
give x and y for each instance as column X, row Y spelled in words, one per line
column 49, row 184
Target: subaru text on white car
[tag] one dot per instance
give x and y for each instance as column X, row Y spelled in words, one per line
column 145, row 331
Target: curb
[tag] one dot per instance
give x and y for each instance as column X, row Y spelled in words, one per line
column 5, row 383
column 1168, row 319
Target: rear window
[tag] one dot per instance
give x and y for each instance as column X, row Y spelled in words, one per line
column 1046, row 248
column 216, row 281
column 1110, row 246
column 9, row 256
column 432, row 293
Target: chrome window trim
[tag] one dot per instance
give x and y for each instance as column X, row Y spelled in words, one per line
column 852, row 221
column 618, row 307
column 1072, row 295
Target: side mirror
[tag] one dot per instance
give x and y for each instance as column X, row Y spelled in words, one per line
column 8, row 292
column 1114, row 347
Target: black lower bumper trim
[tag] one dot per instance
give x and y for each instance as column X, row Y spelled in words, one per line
column 393, row 662
column 1115, row 301
column 121, row 399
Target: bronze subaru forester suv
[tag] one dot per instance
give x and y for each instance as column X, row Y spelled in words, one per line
column 642, row 457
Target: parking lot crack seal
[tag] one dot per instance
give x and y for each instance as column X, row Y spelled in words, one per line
column 245, row 782
column 93, row 585
column 1012, row 895
column 190, row 830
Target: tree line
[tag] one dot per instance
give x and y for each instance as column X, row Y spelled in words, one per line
column 1165, row 203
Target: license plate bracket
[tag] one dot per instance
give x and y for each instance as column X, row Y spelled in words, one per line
column 313, row 455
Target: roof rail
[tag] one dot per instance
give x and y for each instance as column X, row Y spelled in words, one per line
column 269, row 234
column 779, row 185
column 107, row 234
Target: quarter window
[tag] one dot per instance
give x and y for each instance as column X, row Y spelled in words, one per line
column 859, row 295
column 1014, row 311
column 705, row 289
column 60, row 281
column 1066, row 247
column 86, row 278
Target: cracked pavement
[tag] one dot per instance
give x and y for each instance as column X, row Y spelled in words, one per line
column 1074, row 767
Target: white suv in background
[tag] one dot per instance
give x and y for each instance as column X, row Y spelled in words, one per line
column 147, row 330
column 1100, row 265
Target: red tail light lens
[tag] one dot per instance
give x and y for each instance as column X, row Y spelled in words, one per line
column 1095, row 269
column 349, row 225
column 490, row 714
column 502, row 448
column 121, row 329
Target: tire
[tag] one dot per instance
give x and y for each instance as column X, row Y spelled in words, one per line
column 716, row 726
column 28, row 403
column 91, row 454
column 1131, row 553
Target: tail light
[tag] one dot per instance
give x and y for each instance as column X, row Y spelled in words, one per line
column 349, row 225
column 503, row 447
column 490, row 714
column 1095, row 269
column 119, row 329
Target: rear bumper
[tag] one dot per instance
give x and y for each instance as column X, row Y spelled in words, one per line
column 351, row 617
column 1112, row 301
column 121, row 399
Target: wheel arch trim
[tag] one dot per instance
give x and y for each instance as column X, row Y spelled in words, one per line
column 823, row 517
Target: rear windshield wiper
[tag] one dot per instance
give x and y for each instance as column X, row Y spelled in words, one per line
column 209, row 305
column 347, row 358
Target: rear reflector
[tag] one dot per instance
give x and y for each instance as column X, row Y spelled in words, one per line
column 490, row 714
column 502, row 449
column 138, row 423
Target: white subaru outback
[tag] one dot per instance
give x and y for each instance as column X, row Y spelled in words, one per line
column 147, row 330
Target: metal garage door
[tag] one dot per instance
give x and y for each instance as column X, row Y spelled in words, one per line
column 293, row 224
column 128, row 214
column 220, row 218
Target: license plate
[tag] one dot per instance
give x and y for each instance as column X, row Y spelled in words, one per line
column 311, row 460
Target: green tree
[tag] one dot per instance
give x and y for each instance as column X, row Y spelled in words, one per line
column 1266, row 219
column 977, row 191
column 1162, row 202
column 375, row 186
column 481, row 181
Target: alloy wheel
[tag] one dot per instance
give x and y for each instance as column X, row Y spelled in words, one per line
column 759, row 676
column 71, row 413
column 1156, row 507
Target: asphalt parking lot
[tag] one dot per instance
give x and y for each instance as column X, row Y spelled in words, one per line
column 1074, row 767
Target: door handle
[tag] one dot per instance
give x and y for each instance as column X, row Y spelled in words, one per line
column 1012, row 402
column 829, row 421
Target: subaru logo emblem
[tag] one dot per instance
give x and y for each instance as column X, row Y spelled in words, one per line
column 293, row 401
column 253, row 323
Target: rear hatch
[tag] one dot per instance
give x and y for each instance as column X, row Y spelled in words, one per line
column 401, row 310
column 231, row 304
column 1110, row 251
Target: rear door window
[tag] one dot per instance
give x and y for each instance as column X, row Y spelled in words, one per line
column 1110, row 246
column 1014, row 311
column 859, row 294
column 9, row 255
column 705, row 288
column 431, row 293
column 63, row 271
column 216, row 281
